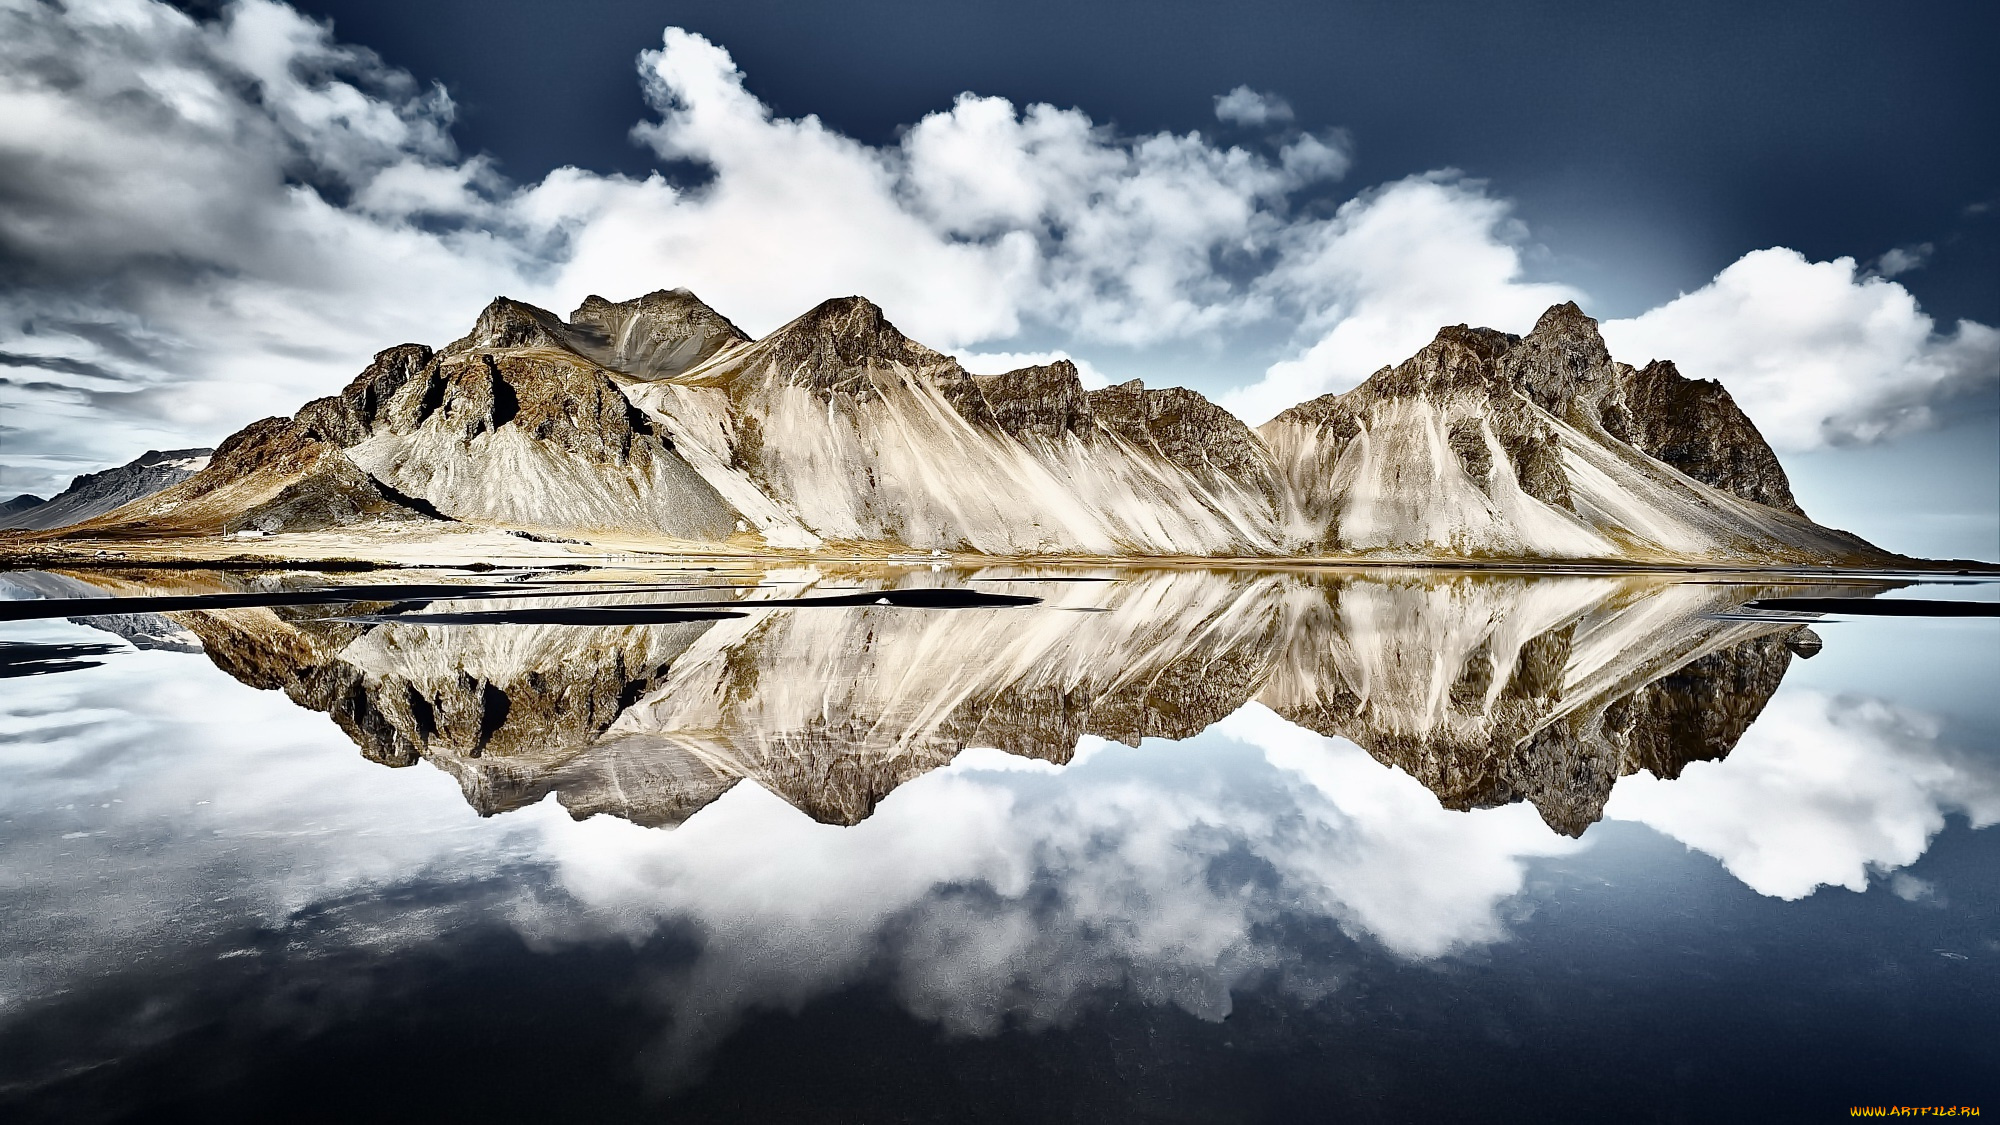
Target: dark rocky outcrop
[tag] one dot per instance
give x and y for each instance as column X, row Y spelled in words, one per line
column 334, row 494
column 1693, row 425
column 347, row 418
column 1046, row 402
column 506, row 323
column 274, row 475
column 1049, row 403
column 571, row 406
column 843, row 334
column 1189, row 431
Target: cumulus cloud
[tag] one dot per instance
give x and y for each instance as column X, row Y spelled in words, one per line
column 1816, row 353
column 226, row 217
column 983, row 219
column 1822, row 791
column 1244, row 106
column 999, row 363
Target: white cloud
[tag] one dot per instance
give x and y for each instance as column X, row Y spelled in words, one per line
column 999, row 363
column 1815, row 352
column 984, row 218
column 1324, row 157
column 1821, row 791
column 1903, row 259
column 1244, row 106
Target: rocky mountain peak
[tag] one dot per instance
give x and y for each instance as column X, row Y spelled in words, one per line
column 657, row 415
column 170, row 456
column 1458, row 357
column 506, row 323
column 1565, row 320
column 847, row 332
column 656, row 336
column 1486, row 344
column 346, row 418
column 1563, row 359
column 1695, row 426
column 658, row 303
column 1563, row 368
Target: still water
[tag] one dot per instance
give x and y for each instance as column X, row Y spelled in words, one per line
column 1001, row 845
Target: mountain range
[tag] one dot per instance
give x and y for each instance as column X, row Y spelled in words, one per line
column 657, row 421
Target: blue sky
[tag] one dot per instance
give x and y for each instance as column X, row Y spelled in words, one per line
column 212, row 213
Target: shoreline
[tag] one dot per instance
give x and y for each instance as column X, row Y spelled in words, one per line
column 486, row 549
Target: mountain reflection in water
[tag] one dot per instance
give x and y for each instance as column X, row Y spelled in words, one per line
column 1329, row 866
column 1487, row 688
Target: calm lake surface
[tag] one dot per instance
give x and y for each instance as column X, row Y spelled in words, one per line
column 1002, row 845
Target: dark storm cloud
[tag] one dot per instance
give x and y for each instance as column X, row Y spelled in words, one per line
column 37, row 385
column 54, row 363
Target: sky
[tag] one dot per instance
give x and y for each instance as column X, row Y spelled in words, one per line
column 213, row 212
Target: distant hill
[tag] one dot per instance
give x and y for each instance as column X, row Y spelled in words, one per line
column 93, row 494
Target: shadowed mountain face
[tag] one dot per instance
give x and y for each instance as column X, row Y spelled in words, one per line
column 1487, row 689
column 657, row 418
